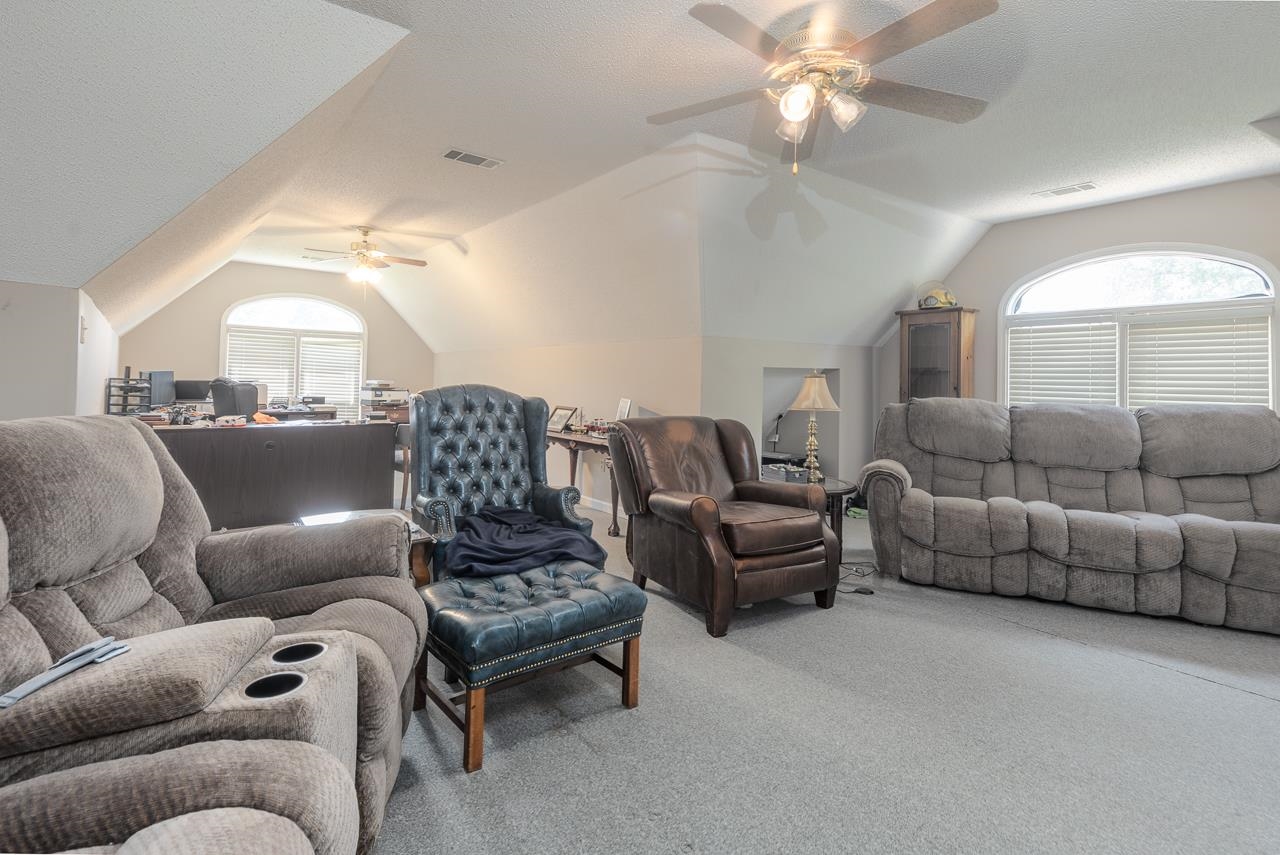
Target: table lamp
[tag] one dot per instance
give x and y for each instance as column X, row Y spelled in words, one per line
column 814, row 397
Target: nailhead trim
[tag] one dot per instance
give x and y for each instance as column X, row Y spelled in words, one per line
column 535, row 665
column 558, row 641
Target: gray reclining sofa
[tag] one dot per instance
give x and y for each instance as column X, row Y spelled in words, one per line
column 1172, row 510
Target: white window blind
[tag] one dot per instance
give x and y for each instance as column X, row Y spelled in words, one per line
column 330, row 366
column 1073, row 363
column 264, row 356
column 1219, row 361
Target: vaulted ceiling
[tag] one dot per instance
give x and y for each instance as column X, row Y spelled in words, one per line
column 141, row 123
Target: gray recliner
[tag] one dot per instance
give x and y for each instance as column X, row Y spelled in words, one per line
column 478, row 446
column 1172, row 510
column 106, row 536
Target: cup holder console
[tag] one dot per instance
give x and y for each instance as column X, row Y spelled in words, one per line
column 303, row 651
column 275, row 685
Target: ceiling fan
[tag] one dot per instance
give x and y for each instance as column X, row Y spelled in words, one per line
column 823, row 66
column 369, row 259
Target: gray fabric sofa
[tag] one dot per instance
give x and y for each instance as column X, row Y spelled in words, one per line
column 207, row 798
column 107, row 537
column 1172, row 510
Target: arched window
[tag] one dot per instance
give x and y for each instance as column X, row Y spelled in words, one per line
column 298, row 346
column 1141, row 328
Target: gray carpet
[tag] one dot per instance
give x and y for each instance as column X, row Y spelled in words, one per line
column 916, row 720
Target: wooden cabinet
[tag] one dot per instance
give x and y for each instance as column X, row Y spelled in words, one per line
column 936, row 353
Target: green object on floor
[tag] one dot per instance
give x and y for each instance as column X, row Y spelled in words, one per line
column 856, row 513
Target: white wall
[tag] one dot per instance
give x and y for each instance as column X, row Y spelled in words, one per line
column 185, row 334
column 38, row 326
column 1240, row 216
column 97, row 357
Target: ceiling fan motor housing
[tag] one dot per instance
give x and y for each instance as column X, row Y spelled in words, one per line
column 817, row 55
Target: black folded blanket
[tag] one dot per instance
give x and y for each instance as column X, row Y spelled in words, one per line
column 494, row 541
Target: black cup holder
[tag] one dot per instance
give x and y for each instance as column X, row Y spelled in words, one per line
column 303, row 651
column 275, row 685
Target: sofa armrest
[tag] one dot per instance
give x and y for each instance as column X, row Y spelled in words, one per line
column 810, row 496
column 164, row 676
column 246, row 562
column 890, row 470
column 556, row 504
column 695, row 512
column 884, row 482
column 229, row 789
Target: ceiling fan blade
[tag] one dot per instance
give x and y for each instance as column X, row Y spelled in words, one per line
column 330, row 251
column 395, row 259
column 926, row 23
column 703, row 107
column 326, row 260
column 805, row 150
column 933, row 103
column 376, row 262
column 728, row 23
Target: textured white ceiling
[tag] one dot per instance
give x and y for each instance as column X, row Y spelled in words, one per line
column 120, row 115
column 1138, row 95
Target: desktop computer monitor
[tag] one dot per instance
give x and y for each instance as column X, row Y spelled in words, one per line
column 191, row 391
column 162, row 388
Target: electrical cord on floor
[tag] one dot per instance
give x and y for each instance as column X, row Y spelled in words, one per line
column 856, row 570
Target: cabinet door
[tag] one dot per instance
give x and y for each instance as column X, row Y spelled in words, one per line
column 930, row 365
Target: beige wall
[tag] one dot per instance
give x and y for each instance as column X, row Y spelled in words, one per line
column 185, row 334
column 733, row 387
column 96, row 357
column 37, row 350
column 661, row 377
column 1239, row 216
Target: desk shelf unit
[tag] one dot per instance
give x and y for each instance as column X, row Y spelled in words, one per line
column 127, row 396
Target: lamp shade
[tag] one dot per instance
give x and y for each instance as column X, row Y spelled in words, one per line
column 814, row 395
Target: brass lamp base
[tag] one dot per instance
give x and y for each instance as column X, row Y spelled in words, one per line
column 811, row 446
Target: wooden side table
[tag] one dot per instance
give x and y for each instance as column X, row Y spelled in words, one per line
column 576, row 442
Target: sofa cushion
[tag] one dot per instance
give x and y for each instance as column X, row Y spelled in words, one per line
column 1083, row 436
column 1130, row 541
column 960, row 526
column 1246, row 554
column 754, row 528
column 1199, row 439
column 959, row 427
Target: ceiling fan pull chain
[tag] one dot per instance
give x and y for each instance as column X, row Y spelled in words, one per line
column 795, row 158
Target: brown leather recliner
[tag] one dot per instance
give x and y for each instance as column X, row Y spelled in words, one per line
column 703, row 524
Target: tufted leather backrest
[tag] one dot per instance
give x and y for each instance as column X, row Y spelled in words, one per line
column 1220, row 461
column 690, row 454
column 101, row 533
column 478, row 446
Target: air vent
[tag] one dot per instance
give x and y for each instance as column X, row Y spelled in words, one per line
column 1082, row 187
column 472, row 159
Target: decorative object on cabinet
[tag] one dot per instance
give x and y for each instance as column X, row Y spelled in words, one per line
column 936, row 356
column 559, row 418
column 814, row 397
column 624, row 408
column 936, row 296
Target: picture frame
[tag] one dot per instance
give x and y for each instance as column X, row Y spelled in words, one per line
column 560, row 417
column 624, row 408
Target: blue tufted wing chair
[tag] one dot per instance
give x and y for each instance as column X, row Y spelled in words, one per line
column 479, row 446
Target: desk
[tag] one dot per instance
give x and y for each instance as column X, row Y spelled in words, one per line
column 836, row 491
column 265, row 474
column 301, row 415
column 576, row 442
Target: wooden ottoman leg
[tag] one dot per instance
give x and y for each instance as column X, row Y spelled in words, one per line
column 420, row 681
column 631, row 672
column 473, row 733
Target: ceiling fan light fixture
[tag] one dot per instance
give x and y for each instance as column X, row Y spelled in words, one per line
column 365, row 274
column 797, row 102
column 846, row 110
column 793, row 132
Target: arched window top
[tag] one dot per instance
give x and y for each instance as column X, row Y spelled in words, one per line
column 298, row 313
column 1140, row 279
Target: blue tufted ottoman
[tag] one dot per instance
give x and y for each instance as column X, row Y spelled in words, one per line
column 500, row 630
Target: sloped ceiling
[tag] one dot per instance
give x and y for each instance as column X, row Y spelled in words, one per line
column 120, row 115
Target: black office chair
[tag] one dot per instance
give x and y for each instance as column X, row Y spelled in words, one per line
column 232, row 398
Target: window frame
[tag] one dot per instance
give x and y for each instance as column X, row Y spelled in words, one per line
column 298, row 334
column 1124, row 315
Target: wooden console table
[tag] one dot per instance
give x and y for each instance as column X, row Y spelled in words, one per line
column 576, row 442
